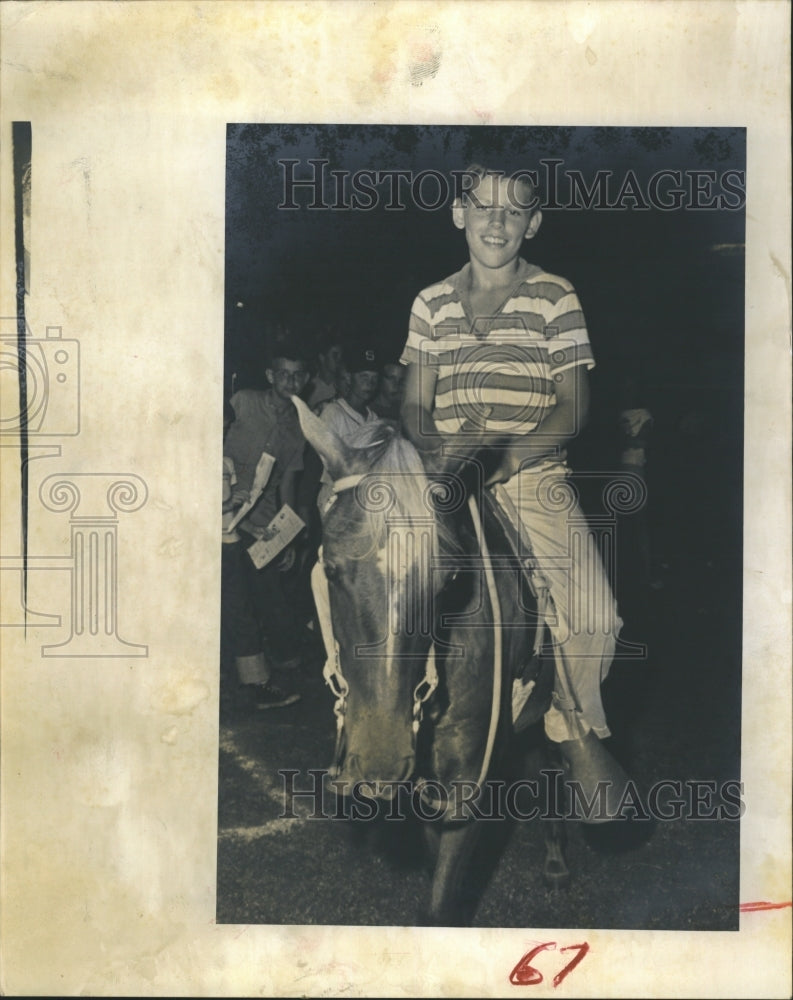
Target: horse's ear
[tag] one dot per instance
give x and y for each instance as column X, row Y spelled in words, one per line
column 326, row 442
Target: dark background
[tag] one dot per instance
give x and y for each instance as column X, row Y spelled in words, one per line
column 660, row 289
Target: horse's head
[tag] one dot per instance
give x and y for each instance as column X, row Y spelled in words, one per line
column 380, row 540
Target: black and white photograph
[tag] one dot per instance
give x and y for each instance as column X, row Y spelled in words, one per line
column 369, row 714
column 482, row 312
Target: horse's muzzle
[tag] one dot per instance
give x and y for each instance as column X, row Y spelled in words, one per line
column 369, row 781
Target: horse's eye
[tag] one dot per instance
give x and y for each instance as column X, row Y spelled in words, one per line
column 331, row 571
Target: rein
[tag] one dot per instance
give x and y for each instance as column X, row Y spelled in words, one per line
column 497, row 638
column 334, row 678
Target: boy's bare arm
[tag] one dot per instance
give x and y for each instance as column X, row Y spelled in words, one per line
column 564, row 422
column 417, row 406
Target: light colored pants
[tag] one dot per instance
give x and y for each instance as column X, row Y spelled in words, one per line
column 582, row 618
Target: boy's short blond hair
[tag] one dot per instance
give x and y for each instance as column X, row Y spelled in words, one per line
column 517, row 178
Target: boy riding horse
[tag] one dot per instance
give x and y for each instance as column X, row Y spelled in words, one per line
column 502, row 344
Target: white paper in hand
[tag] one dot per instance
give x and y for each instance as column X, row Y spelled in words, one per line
column 263, row 469
column 286, row 524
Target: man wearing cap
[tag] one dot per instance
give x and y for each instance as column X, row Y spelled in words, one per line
column 350, row 411
column 388, row 401
column 324, row 384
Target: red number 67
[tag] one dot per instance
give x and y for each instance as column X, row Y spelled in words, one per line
column 524, row 973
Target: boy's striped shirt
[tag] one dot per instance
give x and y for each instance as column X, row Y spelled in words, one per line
column 506, row 362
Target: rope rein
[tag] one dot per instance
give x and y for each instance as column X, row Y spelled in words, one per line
column 495, row 708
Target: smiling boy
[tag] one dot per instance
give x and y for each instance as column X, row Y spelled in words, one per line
column 502, row 344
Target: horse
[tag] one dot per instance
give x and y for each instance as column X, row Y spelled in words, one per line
column 428, row 633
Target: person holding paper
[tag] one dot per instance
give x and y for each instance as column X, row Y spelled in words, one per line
column 266, row 423
column 240, row 628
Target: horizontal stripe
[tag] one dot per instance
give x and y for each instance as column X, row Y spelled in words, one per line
column 501, row 343
column 528, row 302
column 448, row 311
column 501, row 403
column 492, row 396
column 550, row 288
column 439, row 290
column 470, row 353
column 553, row 291
column 526, row 323
column 449, row 421
column 571, row 324
column 420, row 330
column 514, row 419
column 495, row 385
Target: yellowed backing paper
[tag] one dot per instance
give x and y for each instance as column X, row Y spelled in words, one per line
column 109, row 765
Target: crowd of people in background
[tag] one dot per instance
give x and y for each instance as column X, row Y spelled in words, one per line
column 268, row 618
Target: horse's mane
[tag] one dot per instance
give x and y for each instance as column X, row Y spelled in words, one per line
column 394, row 486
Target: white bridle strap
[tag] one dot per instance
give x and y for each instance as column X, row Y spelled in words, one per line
column 425, row 688
column 331, row 672
column 332, row 669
